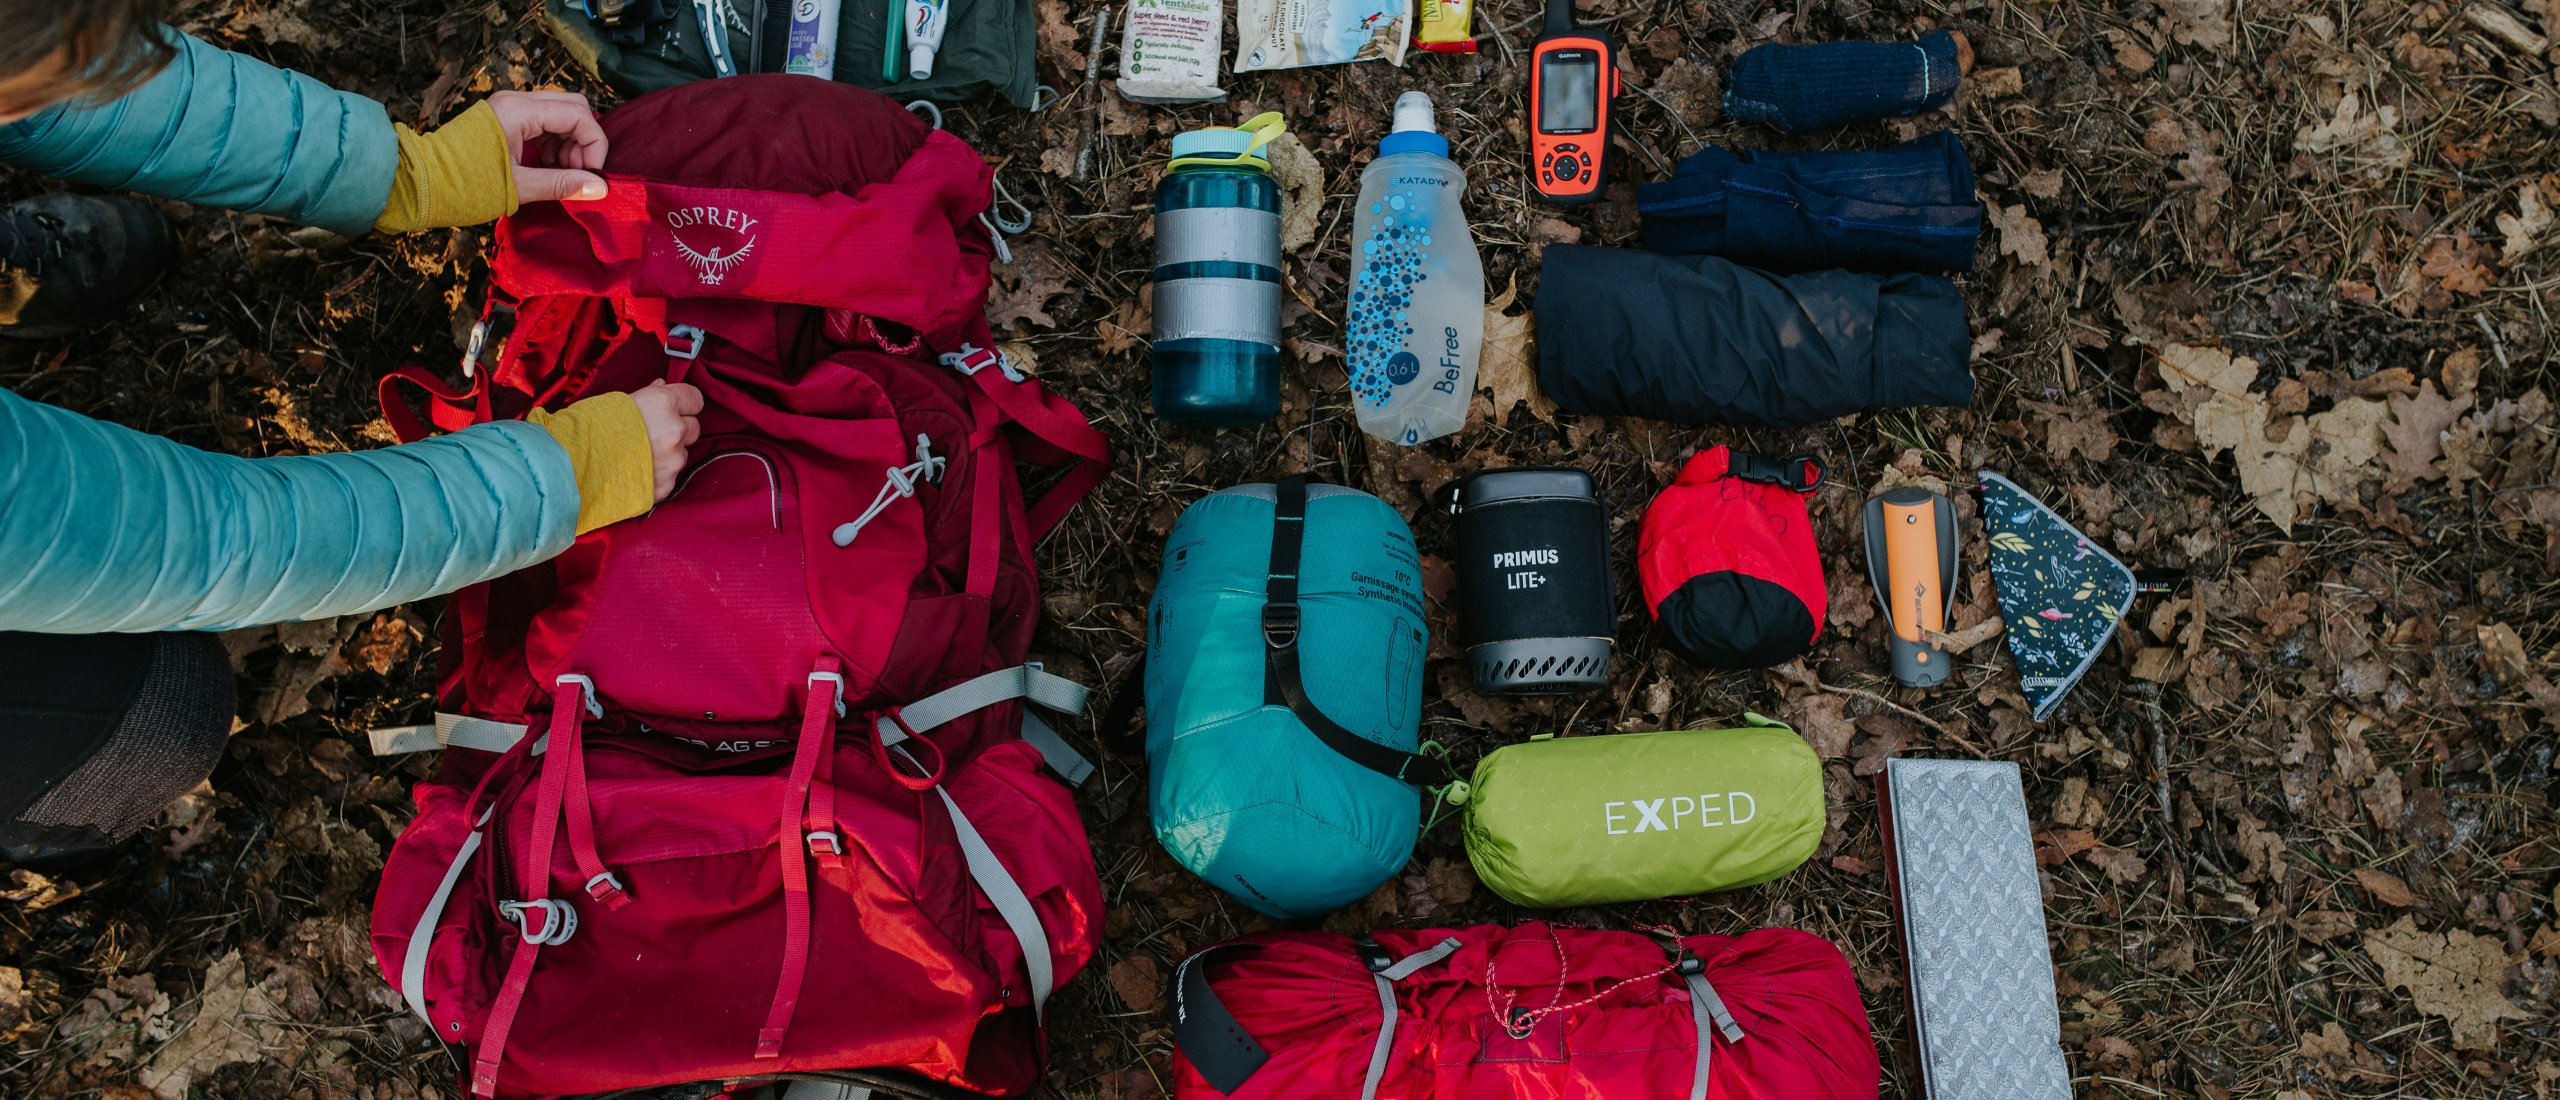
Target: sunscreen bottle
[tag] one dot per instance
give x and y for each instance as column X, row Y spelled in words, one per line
column 810, row 48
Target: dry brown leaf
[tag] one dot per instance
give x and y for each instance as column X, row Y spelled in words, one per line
column 2204, row 24
column 1507, row 363
column 1024, row 287
column 2371, row 139
column 2121, row 865
column 234, row 1022
column 2020, row 234
column 1139, row 981
column 1301, row 180
column 2327, row 455
column 13, row 1001
column 2386, row 888
column 2416, row 433
column 2524, row 229
column 2456, row 263
column 1059, row 41
column 1823, row 720
column 1999, row 83
column 2454, row 974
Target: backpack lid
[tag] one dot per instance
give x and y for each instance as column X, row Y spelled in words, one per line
column 1728, row 560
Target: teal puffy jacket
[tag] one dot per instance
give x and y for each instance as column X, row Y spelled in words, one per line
column 107, row 529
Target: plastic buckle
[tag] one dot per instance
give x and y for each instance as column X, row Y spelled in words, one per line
column 1374, row 955
column 1802, row 473
column 490, row 315
column 971, row 359
column 1280, row 625
column 586, row 687
column 684, row 341
column 833, row 678
column 1691, row 966
column 606, row 888
column 559, row 921
column 833, row 845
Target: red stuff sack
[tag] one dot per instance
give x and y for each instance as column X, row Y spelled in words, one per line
column 1728, row 562
column 746, row 790
column 1532, row 1013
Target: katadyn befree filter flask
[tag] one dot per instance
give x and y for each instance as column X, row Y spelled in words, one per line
column 1417, row 288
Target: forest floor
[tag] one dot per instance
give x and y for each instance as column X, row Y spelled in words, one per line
column 2266, row 298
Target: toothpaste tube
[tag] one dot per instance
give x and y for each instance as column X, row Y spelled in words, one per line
column 925, row 22
column 810, row 47
column 1448, row 26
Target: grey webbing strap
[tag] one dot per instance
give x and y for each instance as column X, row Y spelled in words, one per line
column 449, row 730
column 1024, row 681
column 1061, row 757
column 1027, row 682
column 1003, row 892
column 1387, row 978
column 1708, row 1010
column 422, row 936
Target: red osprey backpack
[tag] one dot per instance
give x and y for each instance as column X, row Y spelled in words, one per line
column 745, row 790
column 1531, row 1012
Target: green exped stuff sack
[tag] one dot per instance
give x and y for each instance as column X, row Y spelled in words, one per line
column 1564, row 821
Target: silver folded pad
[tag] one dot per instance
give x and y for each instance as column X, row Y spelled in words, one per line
column 1984, row 1020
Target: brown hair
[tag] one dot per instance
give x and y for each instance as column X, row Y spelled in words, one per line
column 106, row 47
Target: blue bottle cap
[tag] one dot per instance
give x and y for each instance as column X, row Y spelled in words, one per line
column 1406, row 141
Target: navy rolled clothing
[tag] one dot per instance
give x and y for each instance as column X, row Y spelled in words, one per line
column 1800, row 89
column 1910, row 207
column 1701, row 339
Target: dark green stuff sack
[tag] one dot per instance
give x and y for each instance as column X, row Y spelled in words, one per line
column 1558, row 822
column 988, row 48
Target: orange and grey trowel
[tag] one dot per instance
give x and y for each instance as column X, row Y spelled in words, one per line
column 1911, row 559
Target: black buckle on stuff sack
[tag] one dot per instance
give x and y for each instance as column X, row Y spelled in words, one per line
column 1280, row 625
column 1373, row 955
column 1803, row 473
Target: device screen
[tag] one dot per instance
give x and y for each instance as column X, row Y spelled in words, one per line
column 1570, row 101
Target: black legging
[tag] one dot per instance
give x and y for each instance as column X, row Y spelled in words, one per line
column 99, row 731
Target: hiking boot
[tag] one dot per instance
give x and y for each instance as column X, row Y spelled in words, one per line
column 69, row 261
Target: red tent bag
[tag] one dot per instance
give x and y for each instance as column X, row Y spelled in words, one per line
column 1527, row 1013
column 741, row 786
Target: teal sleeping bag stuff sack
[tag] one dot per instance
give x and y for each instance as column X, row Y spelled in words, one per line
column 1284, row 695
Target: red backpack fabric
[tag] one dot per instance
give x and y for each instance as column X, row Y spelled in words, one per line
column 754, row 796
column 1531, row 1012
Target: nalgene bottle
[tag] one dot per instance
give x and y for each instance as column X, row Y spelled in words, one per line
column 1417, row 288
column 1217, row 306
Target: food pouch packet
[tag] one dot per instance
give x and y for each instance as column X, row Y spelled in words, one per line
column 1287, row 34
column 1169, row 51
column 1448, row 26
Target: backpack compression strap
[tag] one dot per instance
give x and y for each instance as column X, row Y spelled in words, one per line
column 1280, row 682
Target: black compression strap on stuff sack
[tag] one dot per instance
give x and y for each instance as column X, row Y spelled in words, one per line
column 1280, row 633
column 1206, row 1033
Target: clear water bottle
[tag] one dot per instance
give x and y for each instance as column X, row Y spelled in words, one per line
column 1217, row 305
column 1417, row 287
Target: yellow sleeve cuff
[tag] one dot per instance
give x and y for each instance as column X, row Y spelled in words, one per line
column 609, row 455
column 456, row 174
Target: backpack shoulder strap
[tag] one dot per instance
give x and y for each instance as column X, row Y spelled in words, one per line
column 1065, row 437
column 1280, row 681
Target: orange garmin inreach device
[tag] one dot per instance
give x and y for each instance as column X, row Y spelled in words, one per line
column 1573, row 86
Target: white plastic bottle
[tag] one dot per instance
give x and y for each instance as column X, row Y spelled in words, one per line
column 1417, row 287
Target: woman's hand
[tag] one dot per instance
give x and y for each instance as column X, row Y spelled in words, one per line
column 557, row 148
column 669, row 409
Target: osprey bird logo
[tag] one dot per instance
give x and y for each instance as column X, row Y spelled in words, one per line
column 715, row 265
column 711, row 267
